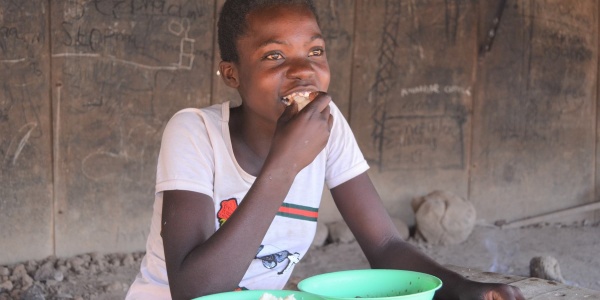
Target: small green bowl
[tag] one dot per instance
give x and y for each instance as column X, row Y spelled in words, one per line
column 256, row 294
column 372, row 284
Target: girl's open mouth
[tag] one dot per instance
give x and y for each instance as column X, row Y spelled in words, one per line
column 302, row 98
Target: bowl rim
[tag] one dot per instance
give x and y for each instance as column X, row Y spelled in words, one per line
column 259, row 291
column 317, row 277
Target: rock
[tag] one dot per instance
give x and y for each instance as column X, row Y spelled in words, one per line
column 44, row 272
column 321, row 235
column 115, row 261
column 545, row 267
column 35, row 292
column 58, row 275
column 93, row 269
column 443, row 218
column 26, row 281
column 63, row 269
column 6, row 286
column 98, row 260
column 116, row 287
column 31, row 266
column 402, row 228
column 4, row 271
column 18, row 272
column 340, row 232
column 128, row 260
column 97, row 257
column 76, row 264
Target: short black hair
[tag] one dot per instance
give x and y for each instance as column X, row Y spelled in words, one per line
column 232, row 22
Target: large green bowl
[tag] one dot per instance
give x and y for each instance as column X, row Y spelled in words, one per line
column 256, row 294
column 372, row 284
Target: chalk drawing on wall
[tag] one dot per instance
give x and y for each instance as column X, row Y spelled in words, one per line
column 384, row 77
column 20, row 122
column 418, row 126
column 22, row 94
column 19, row 141
column 186, row 51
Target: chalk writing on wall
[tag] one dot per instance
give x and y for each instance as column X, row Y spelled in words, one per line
column 25, row 146
column 414, row 141
column 121, row 69
column 416, row 126
column 22, row 90
column 116, row 59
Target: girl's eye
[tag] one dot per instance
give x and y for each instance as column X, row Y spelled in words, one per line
column 316, row 52
column 273, row 56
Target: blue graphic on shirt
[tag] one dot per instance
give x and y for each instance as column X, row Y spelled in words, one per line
column 271, row 261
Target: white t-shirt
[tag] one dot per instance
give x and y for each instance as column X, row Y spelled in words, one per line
column 196, row 155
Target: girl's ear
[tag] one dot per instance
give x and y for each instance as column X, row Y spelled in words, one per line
column 229, row 73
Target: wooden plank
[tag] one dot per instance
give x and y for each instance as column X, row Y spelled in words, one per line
column 568, row 292
column 552, row 216
column 535, row 111
column 597, row 191
column 120, row 71
column 413, row 74
column 25, row 132
column 336, row 18
column 531, row 287
column 481, row 276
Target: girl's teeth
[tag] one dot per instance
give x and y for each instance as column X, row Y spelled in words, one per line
column 300, row 97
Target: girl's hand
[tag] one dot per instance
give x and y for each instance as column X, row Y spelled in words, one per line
column 301, row 135
column 491, row 291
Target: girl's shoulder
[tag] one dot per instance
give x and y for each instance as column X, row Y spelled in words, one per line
column 213, row 111
column 216, row 113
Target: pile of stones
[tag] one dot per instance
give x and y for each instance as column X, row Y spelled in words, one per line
column 65, row 278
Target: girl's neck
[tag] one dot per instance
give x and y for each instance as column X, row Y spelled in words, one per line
column 250, row 139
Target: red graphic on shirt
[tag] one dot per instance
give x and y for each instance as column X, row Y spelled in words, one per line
column 227, row 208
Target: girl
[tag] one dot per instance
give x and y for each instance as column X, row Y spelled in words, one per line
column 238, row 188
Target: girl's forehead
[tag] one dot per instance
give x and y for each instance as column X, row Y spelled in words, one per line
column 269, row 20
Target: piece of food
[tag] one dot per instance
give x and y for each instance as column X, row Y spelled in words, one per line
column 267, row 296
column 302, row 98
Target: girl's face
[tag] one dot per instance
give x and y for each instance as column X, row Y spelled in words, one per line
column 282, row 52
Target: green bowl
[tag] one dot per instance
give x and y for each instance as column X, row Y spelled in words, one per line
column 372, row 284
column 256, row 294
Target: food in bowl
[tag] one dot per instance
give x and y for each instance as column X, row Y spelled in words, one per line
column 268, row 296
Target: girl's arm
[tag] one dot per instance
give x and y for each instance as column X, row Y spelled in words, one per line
column 203, row 261
column 361, row 208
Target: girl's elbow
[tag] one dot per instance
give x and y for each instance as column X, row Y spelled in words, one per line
column 190, row 289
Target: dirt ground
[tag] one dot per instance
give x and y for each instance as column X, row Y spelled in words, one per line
column 507, row 251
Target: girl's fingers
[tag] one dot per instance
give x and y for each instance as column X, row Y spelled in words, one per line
column 509, row 293
column 289, row 112
column 320, row 102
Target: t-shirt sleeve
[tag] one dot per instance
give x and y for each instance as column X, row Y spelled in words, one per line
column 186, row 160
column 344, row 158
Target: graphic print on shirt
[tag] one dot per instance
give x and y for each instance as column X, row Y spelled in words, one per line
column 227, row 208
column 270, row 261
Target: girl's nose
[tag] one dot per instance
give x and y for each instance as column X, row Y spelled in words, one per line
column 300, row 68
